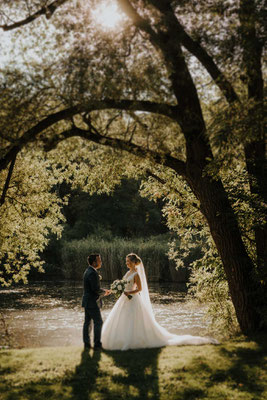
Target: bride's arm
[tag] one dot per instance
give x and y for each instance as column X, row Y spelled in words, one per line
column 137, row 281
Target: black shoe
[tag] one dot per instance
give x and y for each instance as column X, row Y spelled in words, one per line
column 98, row 348
column 87, row 346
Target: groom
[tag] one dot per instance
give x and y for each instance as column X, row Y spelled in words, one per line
column 92, row 293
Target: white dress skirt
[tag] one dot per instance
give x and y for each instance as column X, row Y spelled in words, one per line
column 131, row 325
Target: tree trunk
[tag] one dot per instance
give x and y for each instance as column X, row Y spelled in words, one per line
column 255, row 150
column 256, row 166
column 244, row 289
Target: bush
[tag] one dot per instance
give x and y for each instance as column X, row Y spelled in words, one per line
column 209, row 286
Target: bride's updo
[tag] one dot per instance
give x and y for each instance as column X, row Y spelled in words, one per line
column 134, row 258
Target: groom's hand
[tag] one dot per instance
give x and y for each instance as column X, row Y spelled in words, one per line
column 107, row 292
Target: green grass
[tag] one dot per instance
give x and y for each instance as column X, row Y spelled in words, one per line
column 234, row 370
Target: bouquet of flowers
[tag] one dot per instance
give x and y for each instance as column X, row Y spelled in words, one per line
column 118, row 286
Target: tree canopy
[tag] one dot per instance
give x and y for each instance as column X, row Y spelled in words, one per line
column 173, row 95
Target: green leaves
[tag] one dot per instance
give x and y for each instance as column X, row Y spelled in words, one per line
column 31, row 210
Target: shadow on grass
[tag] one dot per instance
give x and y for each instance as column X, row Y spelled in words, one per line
column 139, row 377
column 75, row 385
column 133, row 375
column 84, row 377
column 246, row 367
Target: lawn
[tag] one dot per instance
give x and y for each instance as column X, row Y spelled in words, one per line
column 232, row 370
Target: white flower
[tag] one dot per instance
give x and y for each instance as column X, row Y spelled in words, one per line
column 117, row 287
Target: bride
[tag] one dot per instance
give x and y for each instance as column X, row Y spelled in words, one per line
column 131, row 323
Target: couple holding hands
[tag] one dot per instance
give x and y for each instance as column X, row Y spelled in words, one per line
column 131, row 323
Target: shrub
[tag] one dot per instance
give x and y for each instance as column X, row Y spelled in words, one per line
column 209, row 286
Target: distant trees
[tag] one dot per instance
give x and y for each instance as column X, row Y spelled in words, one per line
column 123, row 214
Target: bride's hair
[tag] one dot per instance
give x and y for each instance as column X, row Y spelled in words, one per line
column 134, row 258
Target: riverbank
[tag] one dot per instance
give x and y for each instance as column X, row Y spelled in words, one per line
column 234, row 370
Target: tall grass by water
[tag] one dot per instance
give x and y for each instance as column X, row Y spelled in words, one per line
column 153, row 252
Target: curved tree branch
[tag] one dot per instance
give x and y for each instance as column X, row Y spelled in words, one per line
column 48, row 11
column 132, row 105
column 31, row 134
column 94, row 136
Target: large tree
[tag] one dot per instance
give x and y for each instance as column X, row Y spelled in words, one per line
column 179, row 85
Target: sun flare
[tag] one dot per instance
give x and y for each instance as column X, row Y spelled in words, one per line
column 108, row 15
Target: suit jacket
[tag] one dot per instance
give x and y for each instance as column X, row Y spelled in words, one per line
column 91, row 288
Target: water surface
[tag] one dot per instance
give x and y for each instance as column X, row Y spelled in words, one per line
column 50, row 313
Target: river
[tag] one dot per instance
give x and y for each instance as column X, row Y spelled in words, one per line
column 50, row 314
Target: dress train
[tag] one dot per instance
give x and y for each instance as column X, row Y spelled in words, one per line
column 132, row 325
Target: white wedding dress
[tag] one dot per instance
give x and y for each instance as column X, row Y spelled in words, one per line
column 131, row 323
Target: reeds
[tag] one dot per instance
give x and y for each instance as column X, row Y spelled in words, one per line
column 153, row 252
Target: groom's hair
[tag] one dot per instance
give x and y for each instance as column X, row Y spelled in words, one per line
column 92, row 258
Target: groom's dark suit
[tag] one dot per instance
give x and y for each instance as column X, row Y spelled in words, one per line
column 91, row 294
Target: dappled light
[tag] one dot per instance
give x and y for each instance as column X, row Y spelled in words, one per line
column 231, row 371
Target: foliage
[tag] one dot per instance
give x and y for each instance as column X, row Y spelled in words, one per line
column 31, row 211
column 207, row 280
column 209, row 286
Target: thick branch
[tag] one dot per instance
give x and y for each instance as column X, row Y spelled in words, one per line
column 7, row 182
column 191, row 118
column 178, row 33
column 138, row 21
column 169, row 44
column 167, row 110
column 31, row 134
column 162, row 159
column 207, row 61
column 48, row 11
